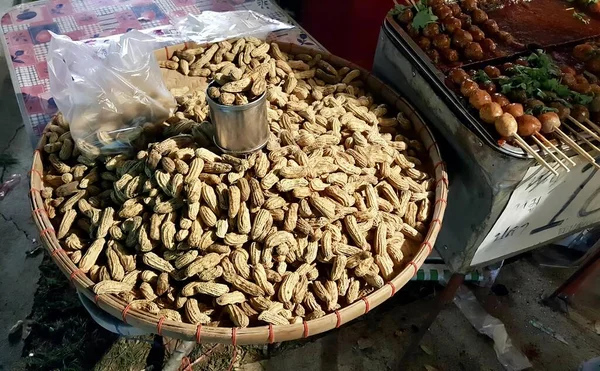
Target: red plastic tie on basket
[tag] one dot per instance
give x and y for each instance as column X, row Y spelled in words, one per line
column 198, row 333
column 75, row 272
column 96, row 298
column 234, row 336
column 440, row 200
column 57, row 251
column 271, row 334
column 159, row 325
column 442, row 179
column 35, row 171
column 367, row 307
column 428, row 244
column 39, row 210
column 438, row 164
column 414, row 265
column 124, row 313
column 393, row 287
column 431, row 146
column 47, row 230
column 338, row 323
column 305, row 332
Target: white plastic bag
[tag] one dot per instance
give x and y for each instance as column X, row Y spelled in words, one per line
column 108, row 94
column 218, row 26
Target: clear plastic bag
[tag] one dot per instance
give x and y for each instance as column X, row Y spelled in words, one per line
column 217, row 26
column 108, row 94
column 108, row 89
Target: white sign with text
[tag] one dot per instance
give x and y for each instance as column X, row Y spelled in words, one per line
column 542, row 208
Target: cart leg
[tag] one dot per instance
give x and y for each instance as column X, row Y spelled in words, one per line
column 560, row 299
column 180, row 350
column 444, row 298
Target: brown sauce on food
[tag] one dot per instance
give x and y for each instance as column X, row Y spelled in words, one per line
column 544, row 22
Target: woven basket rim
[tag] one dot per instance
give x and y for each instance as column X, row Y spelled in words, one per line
column 270, row 333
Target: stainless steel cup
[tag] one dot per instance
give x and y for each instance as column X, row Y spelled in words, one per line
column 240, row 129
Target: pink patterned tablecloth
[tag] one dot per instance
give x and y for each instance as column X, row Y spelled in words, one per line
column 26, row 37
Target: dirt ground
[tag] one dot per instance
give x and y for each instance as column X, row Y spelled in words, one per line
column 64, row 337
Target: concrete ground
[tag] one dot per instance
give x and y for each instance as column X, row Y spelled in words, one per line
column 19, row 273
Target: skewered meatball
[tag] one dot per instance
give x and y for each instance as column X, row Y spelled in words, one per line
column 443, row 12
column 583, row 52
column 469, row 5
column 492, row 72
column 593, row 65
column 489, row 86
column 506, row 125
column 515, row 109
column 406, row 16
column 488, row 45
column 433, row 55
column 581, row 79
column 458, row 75
column 568, row 69
column 518, row 95
column 490, row 26
column 522, row 61
column 528, row 125
column 479, row 16
column 505, row 37
column 424, row 42
column 431, row 30
column 595, row 89
column 468, row 87
column 477, row 33
column 580, row 113
column 460, row 38
column 582, row 87
column 435, row 3
column 563, row 111
column 489, row 112
column 533, row 104
column 506, row 67
column 441, row 41
column 480, row 98
column 595, row 105
column 450, row 55
column 452, row 24
column 465, row 19
column 500, row 99
column 474, row 51
column 549, row 121
column 456, row 10
column 569, row 80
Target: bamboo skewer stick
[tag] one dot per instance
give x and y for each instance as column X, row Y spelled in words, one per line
column 578, row 135
column 584, row 128
column 592, row 124
column 521, row 142
column 556, row 159
column 564, row 137
column 555, row 148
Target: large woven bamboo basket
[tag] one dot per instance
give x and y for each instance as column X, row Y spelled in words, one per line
column 263, row 334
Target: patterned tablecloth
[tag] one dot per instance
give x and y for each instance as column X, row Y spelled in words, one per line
column 25, row 36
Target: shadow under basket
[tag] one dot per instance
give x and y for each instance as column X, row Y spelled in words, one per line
column 260, row 334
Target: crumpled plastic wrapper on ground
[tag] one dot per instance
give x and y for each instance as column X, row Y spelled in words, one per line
column 510, row 357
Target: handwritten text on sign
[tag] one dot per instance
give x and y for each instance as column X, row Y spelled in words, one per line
column 544, row 207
